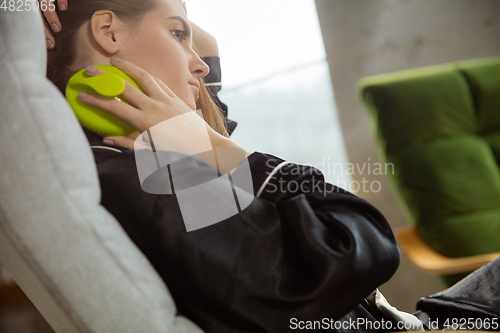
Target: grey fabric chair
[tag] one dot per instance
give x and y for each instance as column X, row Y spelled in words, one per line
column 69, row 255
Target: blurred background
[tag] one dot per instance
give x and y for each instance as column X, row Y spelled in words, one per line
column 289, row 75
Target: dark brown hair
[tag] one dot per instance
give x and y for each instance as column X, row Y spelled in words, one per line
column 63, row 55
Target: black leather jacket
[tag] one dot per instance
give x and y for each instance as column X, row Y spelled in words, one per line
column 309, row 254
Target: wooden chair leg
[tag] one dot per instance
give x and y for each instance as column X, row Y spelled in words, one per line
column 428, row 260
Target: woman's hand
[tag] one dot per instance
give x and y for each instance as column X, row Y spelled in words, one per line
column 156, row 105
column 50, row 19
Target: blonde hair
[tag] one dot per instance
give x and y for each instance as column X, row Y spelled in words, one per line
column 63, row 55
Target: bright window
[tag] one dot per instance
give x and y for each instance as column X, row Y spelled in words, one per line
column 275, row 80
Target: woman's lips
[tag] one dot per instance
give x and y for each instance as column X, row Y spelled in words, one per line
column 197, row 88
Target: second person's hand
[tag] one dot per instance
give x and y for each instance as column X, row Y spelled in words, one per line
column 51, row 21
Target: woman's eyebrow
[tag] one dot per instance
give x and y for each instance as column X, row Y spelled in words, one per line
column 185, row 25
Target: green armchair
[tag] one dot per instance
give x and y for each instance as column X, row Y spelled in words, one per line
column 440, row 127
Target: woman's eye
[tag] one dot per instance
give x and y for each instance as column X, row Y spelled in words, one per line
column 179, row 34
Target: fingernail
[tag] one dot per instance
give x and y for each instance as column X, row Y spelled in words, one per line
column 62, row 7
column 90, row 69
column 108, row 142
column 55, row 28
column 49, row 44
column 82, row 94
column 115, row 58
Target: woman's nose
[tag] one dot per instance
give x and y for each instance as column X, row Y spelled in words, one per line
column 199, row 68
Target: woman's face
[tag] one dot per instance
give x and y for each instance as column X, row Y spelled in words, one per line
column 161, row 45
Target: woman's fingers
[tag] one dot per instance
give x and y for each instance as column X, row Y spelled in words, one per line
column 51, row 21
column 122, row 141
column 94, row 71
column 136, row 97
column 131, row 93
column 48, row 8
column 157, row 104
column 63, row 4
column 120, row 109
column 143, row 78
column 49, row 36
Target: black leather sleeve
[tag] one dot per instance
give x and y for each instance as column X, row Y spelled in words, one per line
column 307, row 254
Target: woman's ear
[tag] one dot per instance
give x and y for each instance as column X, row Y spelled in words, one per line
column 106, row 29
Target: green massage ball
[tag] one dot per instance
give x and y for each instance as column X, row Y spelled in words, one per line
column 109, row 85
